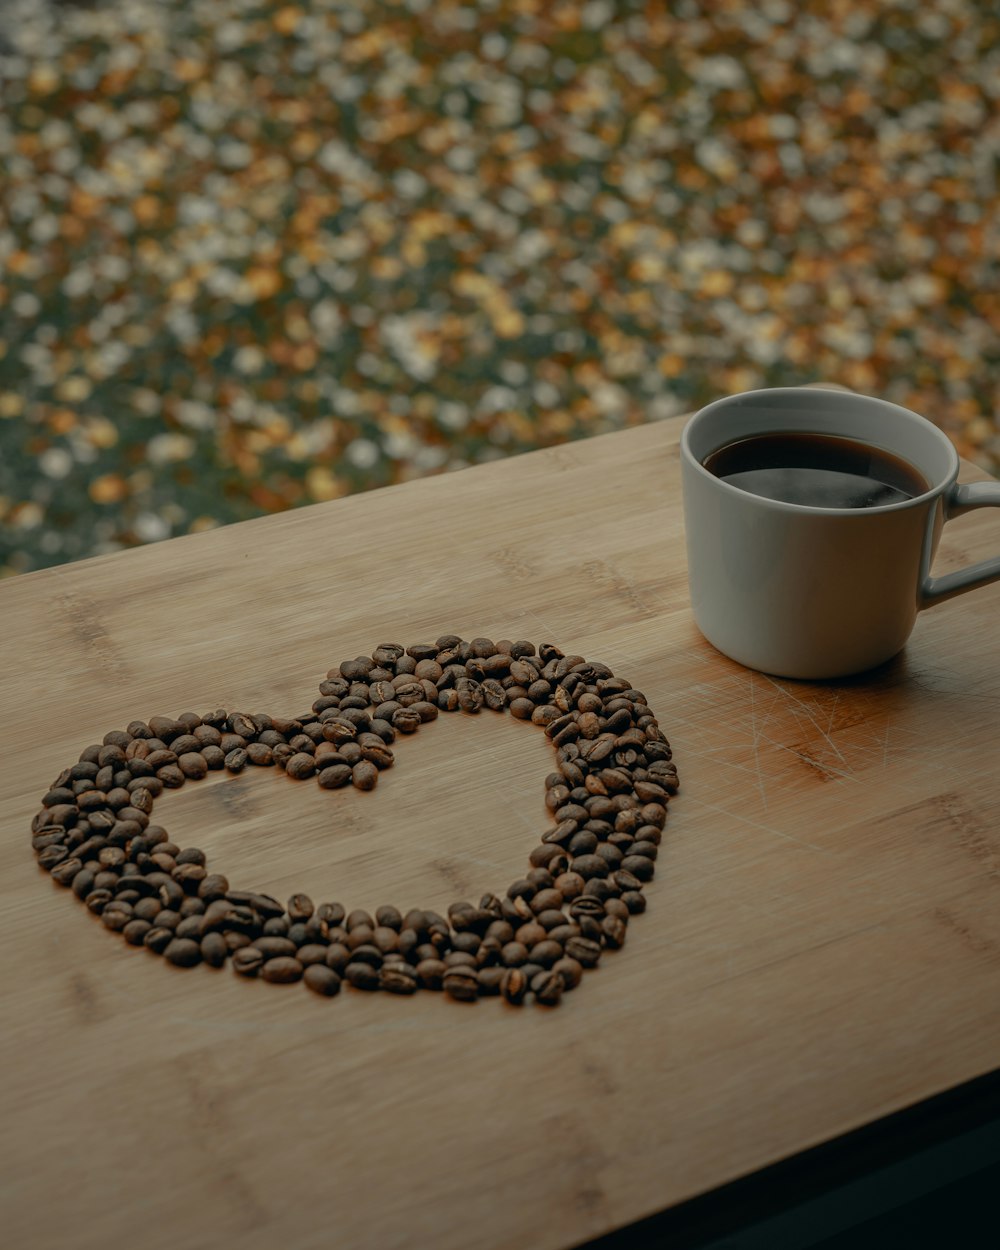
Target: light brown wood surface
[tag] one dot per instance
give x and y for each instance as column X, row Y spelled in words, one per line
column 822, row 944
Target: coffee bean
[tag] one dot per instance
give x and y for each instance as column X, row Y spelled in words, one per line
column 338, row 956
column 633, row 900
column 157, row 939
column 335, row 776
column 489, row 980
column 189, row 927
column 64, row 872
column 586, row 951
column 461, row 982
column 183, row 952
column 275, row 947
column 83, row 883
column 135, row 931
column 431, row 972
column 247, row 961
column 379, row 755
column 570, row 970
column 311, row 953
column 639, row 866
column 545, row 953
column 362, row 976
column 321, row 980
column 214, row 950
column 282, row 970
column 398, row 978
column 300, row 766
column 192, row 764
column 213, row 886
column 548, row 987
column 614, row 929
column 115, row 915
column 514, row 985
column 364, row 775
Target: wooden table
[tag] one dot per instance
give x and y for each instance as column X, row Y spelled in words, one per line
column 822, row 944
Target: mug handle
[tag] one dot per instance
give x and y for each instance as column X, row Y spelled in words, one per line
column 961, row 499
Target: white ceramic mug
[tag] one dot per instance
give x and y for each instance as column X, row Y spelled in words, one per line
column 813, row 592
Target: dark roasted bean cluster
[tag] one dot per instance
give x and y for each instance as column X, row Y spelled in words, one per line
column 607, row 797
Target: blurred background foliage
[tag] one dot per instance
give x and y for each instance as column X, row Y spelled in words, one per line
column 256, row 254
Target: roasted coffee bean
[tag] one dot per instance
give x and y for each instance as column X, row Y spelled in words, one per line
column 214, row 950
column 247, row 961
column 335, row 776
column 299, row 908
column 157, row 939
column 489, row 979
column 521, row 708
column 183, row 952
column 430, row 973
column 362, row 976
column 213, row 886
column 51, row 856
column 275, row 947
column 236, row 760
column 633, row 900
column 316, row 930
column 514, row 985
column 585, row 951
column 282, row 970
column 545, row 953
column 570, row 970
column 322, row 980
column 311, row 953
column 398, row 978
column 615, row 907
column 379, row 755
column 259, row 754
column 338, row 956
column 116, row 914
column 263, row 904
column 614, row 929
column 461, row 982
column 190, row 855
column 135, row 931
column 389, row 917
column 190, row 927
column 97, row 900
column 64, row 872
column 548, row 987
column 364, row 775
column 300, row 766
column 83, row 883
column 189, row 876
column 494, row 695
column 639, row 866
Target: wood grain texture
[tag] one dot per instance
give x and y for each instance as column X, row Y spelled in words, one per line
column 822, row 944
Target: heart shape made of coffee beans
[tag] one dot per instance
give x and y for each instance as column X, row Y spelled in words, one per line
column 607, row 797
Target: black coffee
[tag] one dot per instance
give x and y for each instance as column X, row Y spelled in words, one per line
column 816, row 470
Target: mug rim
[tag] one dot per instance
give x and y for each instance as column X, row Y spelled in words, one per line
column 781, row 505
